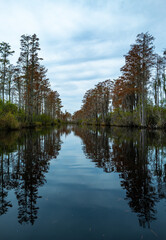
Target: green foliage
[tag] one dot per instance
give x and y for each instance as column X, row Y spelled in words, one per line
column 8, row 121
column 12, row 118
column 155, row 117
column 8, row 116
column 162, row 117
column 152, row 119
column 44, row 119
column 21, row 116
column 10, row 107
column 125, row 118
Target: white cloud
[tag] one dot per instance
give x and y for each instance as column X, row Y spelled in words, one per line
column 82, row 41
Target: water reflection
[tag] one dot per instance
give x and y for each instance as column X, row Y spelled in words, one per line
column 25, row 158
column 139, row 158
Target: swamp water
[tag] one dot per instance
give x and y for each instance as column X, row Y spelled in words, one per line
column 76, row 183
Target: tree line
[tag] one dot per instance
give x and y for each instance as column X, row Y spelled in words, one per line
column 137, row 97
column 26, row 83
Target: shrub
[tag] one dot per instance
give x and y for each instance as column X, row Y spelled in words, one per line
column 10, row 107
column 21, row 117
column 8, row 121
column 45, row 119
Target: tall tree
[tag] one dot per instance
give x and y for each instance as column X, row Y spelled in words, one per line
column 131, row 89
column 18, row 86
column 24, row 63
column 5, row 52
column 157, row 81
column 9, row 83
column 164, row 74
column 29, row 61
column 147, row 56
column 34, row 60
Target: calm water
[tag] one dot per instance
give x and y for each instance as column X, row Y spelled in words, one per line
column 83, row 183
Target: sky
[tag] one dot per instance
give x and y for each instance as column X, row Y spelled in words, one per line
column 82, row 42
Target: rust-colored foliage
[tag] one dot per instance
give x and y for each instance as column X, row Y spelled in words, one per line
column 95, row 102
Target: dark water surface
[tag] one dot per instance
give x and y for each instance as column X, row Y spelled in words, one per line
column 83, row 183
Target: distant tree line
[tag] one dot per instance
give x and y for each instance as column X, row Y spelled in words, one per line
column 137, row 97
column 26, row 83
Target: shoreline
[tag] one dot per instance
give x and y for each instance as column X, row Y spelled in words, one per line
column 38, row 126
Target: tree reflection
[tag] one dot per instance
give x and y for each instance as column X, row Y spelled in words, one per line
column 7, row 146
column 24, row 169
column 138, row 157
column 4, row 204
column 96, row 146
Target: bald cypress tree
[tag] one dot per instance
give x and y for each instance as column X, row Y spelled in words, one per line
column 34, row 65
column 18, row 86
column 5, row 52
column 29, row 61
column 24, row 63
column 147, row 57
column 10, row 78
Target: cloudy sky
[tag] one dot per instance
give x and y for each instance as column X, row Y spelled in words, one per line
column 82, row 41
